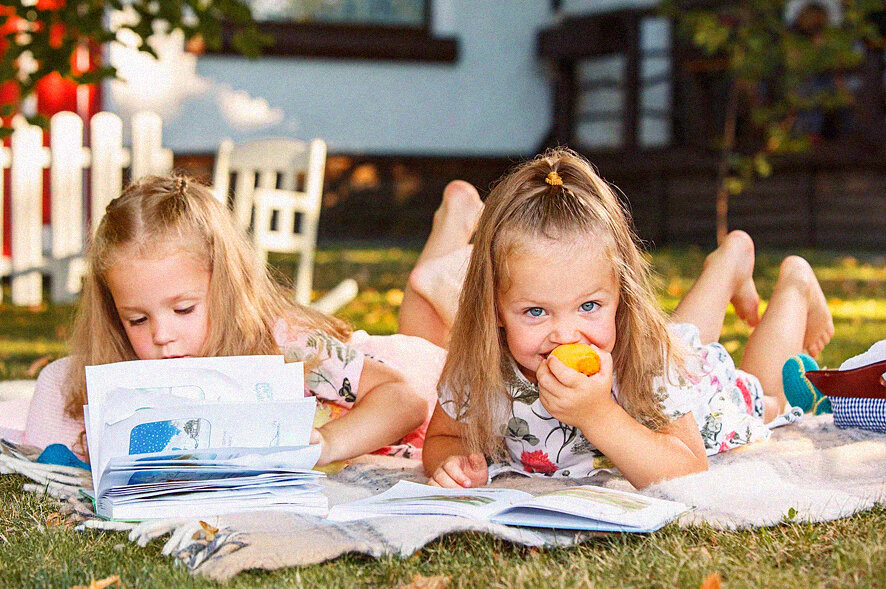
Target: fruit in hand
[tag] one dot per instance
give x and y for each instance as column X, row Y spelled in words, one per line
column 580, row 357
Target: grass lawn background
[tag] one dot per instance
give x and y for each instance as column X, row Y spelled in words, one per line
column 37, row 551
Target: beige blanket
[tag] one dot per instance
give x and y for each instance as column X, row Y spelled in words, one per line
column 811, row 470
column 820, row 471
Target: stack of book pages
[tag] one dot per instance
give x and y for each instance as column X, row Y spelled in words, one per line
column 194, row 437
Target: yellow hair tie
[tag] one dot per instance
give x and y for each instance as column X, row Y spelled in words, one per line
column 554, row 179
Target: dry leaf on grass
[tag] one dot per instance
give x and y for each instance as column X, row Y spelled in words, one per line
column 422, row 582
column 712, row 581
column 55, row 519
column 207, row 533
column 101, row 583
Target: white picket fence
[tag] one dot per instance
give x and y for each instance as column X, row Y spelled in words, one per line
column 71, row 167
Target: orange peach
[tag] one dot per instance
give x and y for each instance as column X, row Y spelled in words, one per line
column 580, row 357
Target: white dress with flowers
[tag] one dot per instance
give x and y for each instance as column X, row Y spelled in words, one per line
column 727, row 404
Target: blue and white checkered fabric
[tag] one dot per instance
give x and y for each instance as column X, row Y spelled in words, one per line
column 869, row 414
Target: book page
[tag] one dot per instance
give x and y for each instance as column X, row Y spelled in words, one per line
column 282, row 458
column 408, row 498
column 592, row 508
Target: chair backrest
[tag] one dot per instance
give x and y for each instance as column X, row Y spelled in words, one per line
column 281, row 181
column 286, row 221
column 281, row 163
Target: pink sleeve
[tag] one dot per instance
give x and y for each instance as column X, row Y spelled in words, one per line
column 47, row 421
column 332, row 367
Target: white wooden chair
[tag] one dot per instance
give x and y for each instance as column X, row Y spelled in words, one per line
column 277, row 193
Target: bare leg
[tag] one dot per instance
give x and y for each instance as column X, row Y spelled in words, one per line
column 727, row 277
column 796, row 318
column 453, row 225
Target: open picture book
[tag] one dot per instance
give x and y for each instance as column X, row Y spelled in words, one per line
column 194, row 437
column 576, row 508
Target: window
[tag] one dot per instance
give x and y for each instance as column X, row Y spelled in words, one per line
column 397, row 13
column 350, row 29
column 614, row 80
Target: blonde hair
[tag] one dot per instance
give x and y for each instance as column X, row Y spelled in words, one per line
column 151, row 218
column 528, row 203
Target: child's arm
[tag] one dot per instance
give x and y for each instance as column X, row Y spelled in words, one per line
column 445, row 456
column 47, row 422
column 386, row 409
column 643, row 456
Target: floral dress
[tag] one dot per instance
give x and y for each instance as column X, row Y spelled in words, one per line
column 727, row 405
column 333, row 369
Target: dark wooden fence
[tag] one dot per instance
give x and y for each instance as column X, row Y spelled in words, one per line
column 827, row 199
column 824, row 199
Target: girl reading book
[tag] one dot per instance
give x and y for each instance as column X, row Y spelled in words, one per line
column 169, row 275
column 555, row 261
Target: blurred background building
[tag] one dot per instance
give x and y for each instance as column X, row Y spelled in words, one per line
column 410, row 94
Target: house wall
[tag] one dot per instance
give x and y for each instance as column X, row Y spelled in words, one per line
column 493, row 100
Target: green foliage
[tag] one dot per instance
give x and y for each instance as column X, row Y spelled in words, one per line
column 775, row 73
column 45, row 39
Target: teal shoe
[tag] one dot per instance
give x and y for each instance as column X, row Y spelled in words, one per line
column 797, row 388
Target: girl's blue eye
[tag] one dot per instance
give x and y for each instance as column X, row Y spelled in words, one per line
column 139, row 321
column 186, row 310
column 535, row 311
column 589, row 306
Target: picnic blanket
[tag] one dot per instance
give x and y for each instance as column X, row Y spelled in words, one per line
column 809, row 472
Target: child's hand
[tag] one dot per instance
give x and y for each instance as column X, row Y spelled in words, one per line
column 461, row 471
column 317, row 438
column 570, row 396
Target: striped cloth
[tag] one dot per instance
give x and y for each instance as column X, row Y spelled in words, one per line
column 869, row 414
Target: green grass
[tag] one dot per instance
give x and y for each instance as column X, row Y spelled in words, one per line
column 34, row 552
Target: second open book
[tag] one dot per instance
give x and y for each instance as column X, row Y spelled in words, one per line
column 576, row 508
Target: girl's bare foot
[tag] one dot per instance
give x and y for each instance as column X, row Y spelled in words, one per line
column 440, row 281
column 454, row 220
column 461, row 204
column 746, row 302
column 739, row 246
column 430, row 299
column 819, row 323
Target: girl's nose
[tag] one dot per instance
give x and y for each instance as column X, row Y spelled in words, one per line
column 162, row 334
column 565, row 332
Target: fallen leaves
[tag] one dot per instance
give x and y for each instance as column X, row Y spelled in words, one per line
column 101, row 583
column 675, row 287
column 394, row 297
column 422, row 582
column 207, row 532
column 56, row 519
column 712, row 581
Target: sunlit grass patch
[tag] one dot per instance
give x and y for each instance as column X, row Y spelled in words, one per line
column 37, row 552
